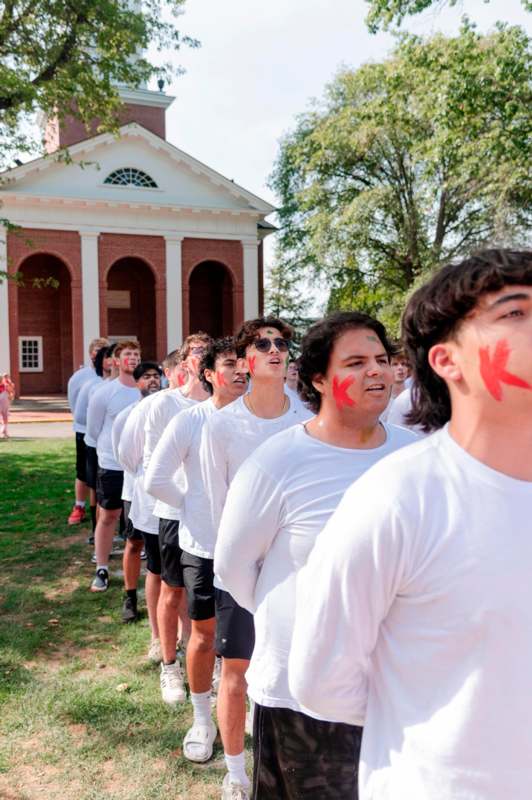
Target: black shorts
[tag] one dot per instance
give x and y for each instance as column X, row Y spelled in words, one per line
column 153, row 554
column 130, row 531
column 171, row 571
column 297, row 757
column 235, row 631
column 109, row 484
column 198, row 577
column 91, row 466
column 81, row 458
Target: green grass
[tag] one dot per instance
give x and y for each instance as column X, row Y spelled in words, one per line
column 65, row 730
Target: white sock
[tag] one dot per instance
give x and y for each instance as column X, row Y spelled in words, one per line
column 201, row 703
column 80, row 503
column 236, row 767
column 102, row 566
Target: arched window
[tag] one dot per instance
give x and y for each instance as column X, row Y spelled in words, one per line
column 130, row 176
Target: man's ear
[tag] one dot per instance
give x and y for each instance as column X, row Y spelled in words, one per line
column 442, row 359
column 318, row 382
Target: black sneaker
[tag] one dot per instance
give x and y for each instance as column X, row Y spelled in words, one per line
column 90, row 539
column 101, row 581
column 129, row 610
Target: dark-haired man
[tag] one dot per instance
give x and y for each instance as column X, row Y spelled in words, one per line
column 278, row 502
column 170, row 617
column 229, row 437
column 104, row 405
column 190, row 564
column 414, row 611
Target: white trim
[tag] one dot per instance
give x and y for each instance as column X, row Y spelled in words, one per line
column 90, row 289
column 5, row 360
column 40, row 360
column 174, row 292
column 145, row 97
column 251, row 279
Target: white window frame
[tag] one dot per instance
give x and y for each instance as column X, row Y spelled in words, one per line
column 40, row 362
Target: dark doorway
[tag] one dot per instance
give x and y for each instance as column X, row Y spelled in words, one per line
column 131, row 303
column 45, row 319
column 211, row 299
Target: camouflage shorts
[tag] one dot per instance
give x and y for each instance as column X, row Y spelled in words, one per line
column 300, row 758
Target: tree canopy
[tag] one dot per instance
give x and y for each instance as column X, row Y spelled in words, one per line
column 407, row 163
column 55, row 52
column 385, row 13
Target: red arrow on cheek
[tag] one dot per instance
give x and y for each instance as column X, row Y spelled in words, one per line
column 221, row 379
column 251, row 364
column 340, row 391
column 493, row 372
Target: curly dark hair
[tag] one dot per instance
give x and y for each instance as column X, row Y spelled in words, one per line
column 98, row 360
column 216, row 348
column 144, row 366
column 435, row 313
column 250, row 328
column 317, row 346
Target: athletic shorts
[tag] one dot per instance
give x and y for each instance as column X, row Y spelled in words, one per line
column 109, row 484
column 91, row 466
column 198, row 577
column 81, row 458
column 171, row 571
column 153, row 553
column 235, row 632
column 297, row 757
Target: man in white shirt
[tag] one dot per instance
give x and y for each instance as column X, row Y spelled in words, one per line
column 105, row 404
column 414, row 611
column 74, row 385
column 278, row 502
column 228, row 438
column 225, row 380
column 171, row 609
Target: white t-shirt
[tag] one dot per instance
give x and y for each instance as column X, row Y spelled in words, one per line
column 128, row 486
column 418, row 590
column 131, row 453
column 398, row 410
column 74, row 385
column 179, row 449
column 279, row 501
column 82, row 402
column 168, row 404
column 104, row 405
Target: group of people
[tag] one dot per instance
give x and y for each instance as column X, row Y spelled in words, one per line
column 363, row 585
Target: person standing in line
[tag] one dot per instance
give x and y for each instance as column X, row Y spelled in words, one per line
column 414, row 610
column 192, row 567
column 7, row 393
column 173, row 621
column 228, row 438
column 275, row 508
column 77, row 515
column 104, row 406
column 401, row 373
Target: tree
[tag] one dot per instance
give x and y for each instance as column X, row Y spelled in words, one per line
column 284, row 298
column 408, row 163
column 53, row 52
column 385, row 13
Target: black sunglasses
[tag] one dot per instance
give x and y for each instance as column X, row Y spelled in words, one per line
column 264, row 345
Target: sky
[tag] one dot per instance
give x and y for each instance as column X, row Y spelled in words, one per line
column 260, row 63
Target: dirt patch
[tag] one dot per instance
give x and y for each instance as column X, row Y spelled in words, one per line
column 64, row 587
column 67, row 541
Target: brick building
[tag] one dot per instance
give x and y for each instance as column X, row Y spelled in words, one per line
column 142, row 239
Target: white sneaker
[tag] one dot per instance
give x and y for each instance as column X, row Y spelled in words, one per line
column 199, row 741
column 172, row 688
column 234, row 791
column 154, row 652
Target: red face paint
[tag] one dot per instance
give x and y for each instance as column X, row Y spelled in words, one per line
column 340, row 391
column 493, row 372
column 251, row 364
column 220, row 379
column 181, row 379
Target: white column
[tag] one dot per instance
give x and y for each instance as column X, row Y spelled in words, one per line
column 174, row 293
column 251, row 278
column 90, row 289
column 5, row 365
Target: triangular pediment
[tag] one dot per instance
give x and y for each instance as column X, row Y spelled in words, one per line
column 181, row 180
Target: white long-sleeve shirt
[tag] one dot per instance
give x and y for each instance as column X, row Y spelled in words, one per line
column 168, row 404
column 414, row 617
column 82, row 402
column 179, row 449
column 277, row 504
column 74, row 385
column 104, row 405
column 128, row 486
column 130, row 455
